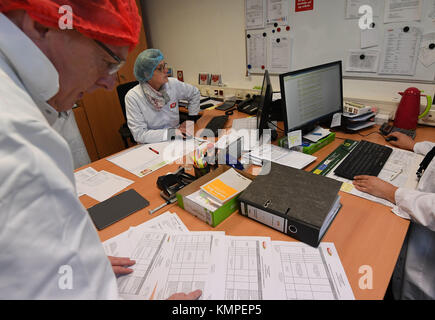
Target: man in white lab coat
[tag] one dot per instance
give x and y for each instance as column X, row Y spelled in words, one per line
column 414, row 275
column 49, row 246
column 152, row 105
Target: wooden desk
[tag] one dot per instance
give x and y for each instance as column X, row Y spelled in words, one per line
column 366, row 234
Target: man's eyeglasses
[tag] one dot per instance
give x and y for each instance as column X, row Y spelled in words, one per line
column 114, row 67
column 162, row 67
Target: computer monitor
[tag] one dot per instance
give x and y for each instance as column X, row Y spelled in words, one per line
column 264, row 106
column 311, row 96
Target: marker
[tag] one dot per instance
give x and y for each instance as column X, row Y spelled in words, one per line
column 155, row 151
column 316, row 133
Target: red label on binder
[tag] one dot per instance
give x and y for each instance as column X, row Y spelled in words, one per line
column 304, row 5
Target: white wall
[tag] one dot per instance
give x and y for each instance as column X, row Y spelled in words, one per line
column 208, row 36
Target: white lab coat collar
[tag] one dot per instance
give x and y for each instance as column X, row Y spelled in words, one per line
column 35, row 71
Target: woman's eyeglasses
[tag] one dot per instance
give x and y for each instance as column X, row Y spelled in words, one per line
column 162, row 67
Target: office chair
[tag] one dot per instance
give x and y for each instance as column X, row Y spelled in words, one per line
column 124, row 131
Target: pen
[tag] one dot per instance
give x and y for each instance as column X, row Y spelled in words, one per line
column 155, row 151
column 317, row 134
column 394, row 176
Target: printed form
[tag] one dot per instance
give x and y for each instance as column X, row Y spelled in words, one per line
column 246, row 264
column 312, row 273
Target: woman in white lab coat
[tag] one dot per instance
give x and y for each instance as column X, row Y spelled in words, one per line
column 414, row 275
column 152, row 106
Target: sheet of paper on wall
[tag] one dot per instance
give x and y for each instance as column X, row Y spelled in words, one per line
column 362, row 60
column 370, row 36
column 280, row 54
column 255, row 14
column 432, row 10
column 402, row 10
column 257, row 47
column 427, row 55
column 352, row 8
column 400, row 54
column 277, row 11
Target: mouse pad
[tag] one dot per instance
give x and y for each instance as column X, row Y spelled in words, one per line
column 116, row 208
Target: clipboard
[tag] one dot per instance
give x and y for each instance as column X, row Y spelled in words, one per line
column 116, row 208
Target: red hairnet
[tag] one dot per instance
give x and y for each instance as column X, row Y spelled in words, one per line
column 114, row 22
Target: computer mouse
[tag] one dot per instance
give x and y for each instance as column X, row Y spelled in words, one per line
column 391, row 138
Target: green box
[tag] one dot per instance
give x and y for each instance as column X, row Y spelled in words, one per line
column 283, row 142
column 212, row 218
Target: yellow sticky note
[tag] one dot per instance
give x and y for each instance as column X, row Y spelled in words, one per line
column 347, row 187
column 317, row 171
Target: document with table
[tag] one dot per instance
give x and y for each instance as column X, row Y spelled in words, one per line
column 171, row 259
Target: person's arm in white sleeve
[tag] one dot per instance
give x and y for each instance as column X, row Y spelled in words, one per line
column 418, row 205
column 423, row 147
column 190, row 93
column 137, row 123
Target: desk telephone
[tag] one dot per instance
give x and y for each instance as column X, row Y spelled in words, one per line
column 248, row 106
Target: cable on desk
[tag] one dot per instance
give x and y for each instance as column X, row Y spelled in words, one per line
column 366, row 135
column 270, row 122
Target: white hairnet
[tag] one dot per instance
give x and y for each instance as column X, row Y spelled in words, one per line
column 146, row 63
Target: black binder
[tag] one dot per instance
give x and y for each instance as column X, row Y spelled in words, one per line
column 116, row 208
column 298, row 203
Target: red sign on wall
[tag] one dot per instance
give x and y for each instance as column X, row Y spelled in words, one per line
column 304, row 5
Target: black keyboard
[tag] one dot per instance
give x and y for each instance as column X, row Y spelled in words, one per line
column 217, row 123
column 367, row 158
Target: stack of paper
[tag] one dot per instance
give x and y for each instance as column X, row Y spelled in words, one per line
column 286, row 157
column 225, row 186
column 99, row 185
column 170, row 259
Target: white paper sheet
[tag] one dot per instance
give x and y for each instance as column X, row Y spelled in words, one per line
column 81, row 176
column 431, row 12
column 401, row 49
column 427, row 55
column 167, row 221
column 277, row 11
column 370, row 36
column 311, row 273
column 280, row 53
column 352, row 8
column 141, row 160
column 103, row 185
column 283, row 156
column 317, row 134
column 257, row 51
column 255, row 14
column 402, row 10
column 244, row 270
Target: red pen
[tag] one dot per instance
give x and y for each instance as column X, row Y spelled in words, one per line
column 155, row 151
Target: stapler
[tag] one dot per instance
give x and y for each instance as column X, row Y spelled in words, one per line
column 170, row 184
